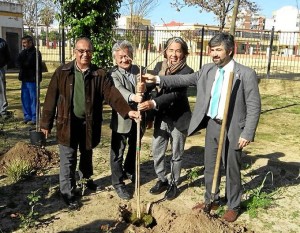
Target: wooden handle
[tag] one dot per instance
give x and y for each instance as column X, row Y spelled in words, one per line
column 221, row 138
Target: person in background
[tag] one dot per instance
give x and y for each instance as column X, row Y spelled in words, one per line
column 243, row 116
column 124, row 131
column 4, row 59
column 172, row 116
column 75, row 98
column 26, row 61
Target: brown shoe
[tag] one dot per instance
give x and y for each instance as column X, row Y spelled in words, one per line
column 205, row 207
column 230, row 215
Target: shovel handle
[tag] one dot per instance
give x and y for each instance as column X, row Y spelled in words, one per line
column 221, row 138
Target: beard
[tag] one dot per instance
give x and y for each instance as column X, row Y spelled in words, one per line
column 221, row 62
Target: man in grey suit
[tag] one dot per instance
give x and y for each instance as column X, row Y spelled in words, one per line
column 124, row 131
column 243, row 117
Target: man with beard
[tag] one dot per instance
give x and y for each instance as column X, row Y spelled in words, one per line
column 243, row 115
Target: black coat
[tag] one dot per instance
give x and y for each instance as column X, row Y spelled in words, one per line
column 173, row 102
column 4, row 53
column 27, row 63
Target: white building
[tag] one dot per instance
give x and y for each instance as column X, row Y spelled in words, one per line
column 11, row 27
column 284, row 19
column 129, row 22
column 188, row 32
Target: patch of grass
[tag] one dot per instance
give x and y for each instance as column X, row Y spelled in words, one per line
column 295, row 214
column 257, row 199
column 18, row 170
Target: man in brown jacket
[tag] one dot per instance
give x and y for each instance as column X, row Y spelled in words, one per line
column 75, row 98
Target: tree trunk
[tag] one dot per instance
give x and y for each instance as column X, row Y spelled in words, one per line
column 234, row 16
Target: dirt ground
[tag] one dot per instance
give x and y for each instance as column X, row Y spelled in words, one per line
column 101, row 212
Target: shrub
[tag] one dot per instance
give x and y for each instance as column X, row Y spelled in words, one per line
column 18, row 169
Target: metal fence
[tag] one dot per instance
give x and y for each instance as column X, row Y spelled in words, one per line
column 273, row 54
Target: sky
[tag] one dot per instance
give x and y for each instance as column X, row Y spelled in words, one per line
column 164, row 13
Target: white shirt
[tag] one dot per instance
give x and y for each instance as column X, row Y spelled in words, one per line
column 227, row 69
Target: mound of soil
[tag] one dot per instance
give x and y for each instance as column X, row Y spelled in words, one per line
column 38, row 157
column 169, row 221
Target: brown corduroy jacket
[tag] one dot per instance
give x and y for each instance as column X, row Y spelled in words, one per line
column 59, row 103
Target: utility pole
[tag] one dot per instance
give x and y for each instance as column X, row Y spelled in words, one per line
column 234, row 16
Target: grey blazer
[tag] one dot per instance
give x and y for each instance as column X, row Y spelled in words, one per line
column 245, row 103
column 118, row 123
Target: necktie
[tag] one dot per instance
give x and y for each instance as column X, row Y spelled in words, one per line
column 131, row 78
column 214, row 102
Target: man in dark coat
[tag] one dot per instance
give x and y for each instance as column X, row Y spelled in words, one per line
column 26, row 61
column 4, row 59
column 75, row 97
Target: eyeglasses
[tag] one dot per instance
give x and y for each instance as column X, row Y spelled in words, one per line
column 82, row 51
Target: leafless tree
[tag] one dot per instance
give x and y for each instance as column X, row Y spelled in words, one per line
column 220, row 8
column 137, row 10
column 29, row 10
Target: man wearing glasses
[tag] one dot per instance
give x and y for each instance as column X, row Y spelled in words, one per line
column 75, row 98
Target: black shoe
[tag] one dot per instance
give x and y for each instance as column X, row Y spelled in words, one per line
column 71, row 202
column 93, row 186
column 172, row 192
column 159, row 187
column 30, row 123
column 122, row 192
column 73, row 205
column 25, row 121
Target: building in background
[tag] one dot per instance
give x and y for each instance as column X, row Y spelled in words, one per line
column 247, row 20
column 286, row 20
column 133, row 22
column 189, row 32
column 11, row 28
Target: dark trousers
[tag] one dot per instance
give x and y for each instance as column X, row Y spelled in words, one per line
column 118, row 145
column 231, row 160
column 68, row 159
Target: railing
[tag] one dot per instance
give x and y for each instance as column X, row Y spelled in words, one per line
column 273, row 54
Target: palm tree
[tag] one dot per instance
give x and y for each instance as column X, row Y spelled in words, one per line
column 47, row 18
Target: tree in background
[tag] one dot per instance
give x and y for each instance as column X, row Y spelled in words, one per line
column 220, row 8
column 29, row 11
column 47, row 18
column 94, row 19
column 137, row 10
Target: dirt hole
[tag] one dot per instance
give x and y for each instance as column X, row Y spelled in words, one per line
column 166, row 221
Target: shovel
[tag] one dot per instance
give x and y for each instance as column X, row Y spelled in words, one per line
column 221, row 140
column 172, row 188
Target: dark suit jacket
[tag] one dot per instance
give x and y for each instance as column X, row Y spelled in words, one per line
column 245, row 103
column 172, row 102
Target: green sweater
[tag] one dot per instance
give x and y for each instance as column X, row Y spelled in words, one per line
column 79, row 94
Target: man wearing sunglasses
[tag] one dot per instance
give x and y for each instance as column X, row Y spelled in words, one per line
column 75, row 98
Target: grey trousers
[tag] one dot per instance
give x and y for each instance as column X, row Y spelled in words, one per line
column 67, row 172
column 232, row 162
column 161, row 137
column 3, row 99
